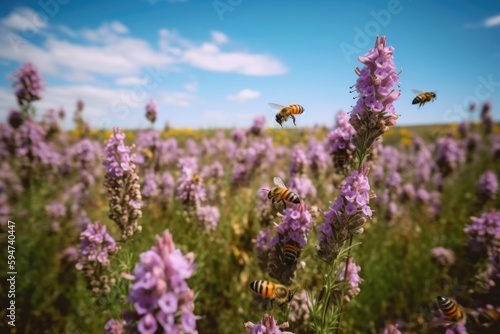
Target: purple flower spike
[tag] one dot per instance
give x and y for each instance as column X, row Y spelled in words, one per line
column 114, row 326
column 123, row 186
column 390, row 329
column 258, row 125
column 266, row 326
column 353, row 278
column 28, row 84
column 208, row 216
column 374, row 113
column 151, row 111
column 293, row 231
column 487, row 186
column 347, row 214
column 160, row 293
column 443, row 256
column 95, row 248
column 484, row 232
column 339, row 143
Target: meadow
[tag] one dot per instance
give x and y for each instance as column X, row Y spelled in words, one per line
column 185, row 224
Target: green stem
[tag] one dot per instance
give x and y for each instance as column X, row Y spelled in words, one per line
column 345, row 278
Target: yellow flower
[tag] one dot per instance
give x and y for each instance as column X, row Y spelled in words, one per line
column 406, row 141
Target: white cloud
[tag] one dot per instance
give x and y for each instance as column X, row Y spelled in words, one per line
column 24, row 19
column 191, row 86
column 210, row 57
column 219, row 37
column 492, row 21
column 123, row 57
column 131, row 81
column 179, row 99
column 244, row 95
column 106, row 33
column 114, row 53
column 486, row 23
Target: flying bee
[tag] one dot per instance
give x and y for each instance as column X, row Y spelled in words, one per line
column 452, row 311
column 423, row 97
column 290, row 253
column 272, row 291
column 285, row 112
column 488, row 317
column 281, row 193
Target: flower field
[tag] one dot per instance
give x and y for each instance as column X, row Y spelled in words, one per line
column 184, row 231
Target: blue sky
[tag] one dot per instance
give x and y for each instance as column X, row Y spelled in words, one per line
column 219, row 63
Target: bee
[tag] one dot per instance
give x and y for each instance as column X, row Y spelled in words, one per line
column 273, row 291
column 423, row 97
column 281, row 193
column 285, row 112
column 290, row 253
column 147, row 153
column 340, row 159
column 488, row 317
column 451, row 310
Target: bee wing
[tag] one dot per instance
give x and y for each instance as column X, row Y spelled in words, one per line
column 279, row 182
column 276, row 106
column 416, row 91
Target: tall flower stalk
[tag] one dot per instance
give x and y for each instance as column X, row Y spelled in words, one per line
column 371, row 117
column 122, row 183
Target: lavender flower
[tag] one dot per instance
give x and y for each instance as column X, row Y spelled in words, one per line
column 299, row 162
column 487, row 119
column 463, row 129
column 471, row 143
column 390, row 329
column 166, row 185
column 302, row 186
column 484, row 232
column 56, row 209
column 239, row 136
column 208, row 216
column 266, row 326
column 261, row 246
column 96, row 246
column 374, row 113
column 317, row 156
column 114, row 326
column 299, row 310
column 487, row 186
column 122, row 183
column 82, row 127
column 346, row 216
column 495, row 147
column 449, row 155
column 161, row 298
column 339, row 143
column 293, row 230
column 149, row 187
column 264, row 206
column 190, row 189
column 28, row 84
column 258, row 125
column 443, row 256
column 15, row 119
column 151, row 111
column 353, row 279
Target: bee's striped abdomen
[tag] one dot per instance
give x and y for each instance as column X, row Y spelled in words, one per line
column 290, row 196
column 450, row 309
column 296, row 109
column 263, row 288
column 290, row 253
